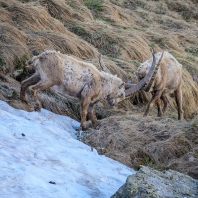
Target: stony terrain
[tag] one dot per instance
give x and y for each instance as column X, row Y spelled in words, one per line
column 150, row 183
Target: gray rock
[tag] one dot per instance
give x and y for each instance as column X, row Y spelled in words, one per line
column 150, row 183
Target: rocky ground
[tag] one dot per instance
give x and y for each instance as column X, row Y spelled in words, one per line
column 154, row 184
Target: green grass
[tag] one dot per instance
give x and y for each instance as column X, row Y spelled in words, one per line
column 4, row 5
column 20, row 62
column 152, row 45
column 193, row 50
column 95, row 6
column 161, row 8
column 191, row 58
column 2, row 62
column 161, row 41
column 136, row 63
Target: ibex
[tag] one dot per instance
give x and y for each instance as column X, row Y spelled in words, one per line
column 80, row 79
column 167, row 79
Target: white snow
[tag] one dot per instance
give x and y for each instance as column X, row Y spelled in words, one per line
column 50, row 152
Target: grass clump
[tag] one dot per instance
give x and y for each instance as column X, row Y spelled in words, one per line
column 95, row 6
column 161, row 8
column 139, row 3
column 4, row 5
column 193, row 50
column 2, row 62
column 77, row 29
column 191, row 58
column 20, row 62
column 152, row 45
column 161, row 41
column 102, row 40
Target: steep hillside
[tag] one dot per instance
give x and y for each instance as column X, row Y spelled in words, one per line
column 161, row 143
column 122, row 30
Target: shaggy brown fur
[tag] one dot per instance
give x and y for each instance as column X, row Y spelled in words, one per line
column 168, row 79
column 76, row 78
column 73, row 77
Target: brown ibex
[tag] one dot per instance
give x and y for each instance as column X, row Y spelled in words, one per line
column 80, row 79
column 167, row 79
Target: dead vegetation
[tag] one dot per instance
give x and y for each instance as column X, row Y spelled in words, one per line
column 159, row 143
column 123, row 31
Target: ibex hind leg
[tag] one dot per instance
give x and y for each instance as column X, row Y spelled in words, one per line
column 178, row 99
column 158, row 103
column 165, row 101
column 41, row 85
column 26, row 83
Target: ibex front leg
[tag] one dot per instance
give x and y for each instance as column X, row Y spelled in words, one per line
column 86, row 106
column 41, row 85
column 84, row 109
column 156, row 96
column 26, row 83
column 92, row 115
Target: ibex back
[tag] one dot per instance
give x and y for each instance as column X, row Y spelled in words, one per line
column 80, row 79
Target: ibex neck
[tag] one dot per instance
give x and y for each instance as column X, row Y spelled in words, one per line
column 108, row 83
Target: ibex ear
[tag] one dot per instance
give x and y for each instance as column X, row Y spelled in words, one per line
column 122, row 85
column 35, row 52
column 42, row 57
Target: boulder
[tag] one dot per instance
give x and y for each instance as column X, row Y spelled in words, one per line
column 148, row 182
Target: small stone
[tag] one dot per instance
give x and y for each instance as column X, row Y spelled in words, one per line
column 51, row 182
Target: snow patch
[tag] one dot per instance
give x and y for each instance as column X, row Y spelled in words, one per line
column 38, row 148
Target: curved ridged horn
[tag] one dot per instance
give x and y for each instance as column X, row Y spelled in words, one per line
column 147, row 88
column 102, row 64
column 122, row 85
column 128, row 85
column 150, row 75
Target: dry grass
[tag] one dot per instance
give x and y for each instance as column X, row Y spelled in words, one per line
column 123, row 31
column 158, row 143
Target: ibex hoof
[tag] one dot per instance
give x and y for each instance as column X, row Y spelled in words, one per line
column 37, row 108
column 93, row 124
column 24, row 100
column 84, row 128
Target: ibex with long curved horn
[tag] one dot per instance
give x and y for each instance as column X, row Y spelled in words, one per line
column 168, row 78
column 83, row 80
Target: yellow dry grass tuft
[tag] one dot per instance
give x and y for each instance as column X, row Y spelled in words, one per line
column 158, row 143
column 120, row 30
